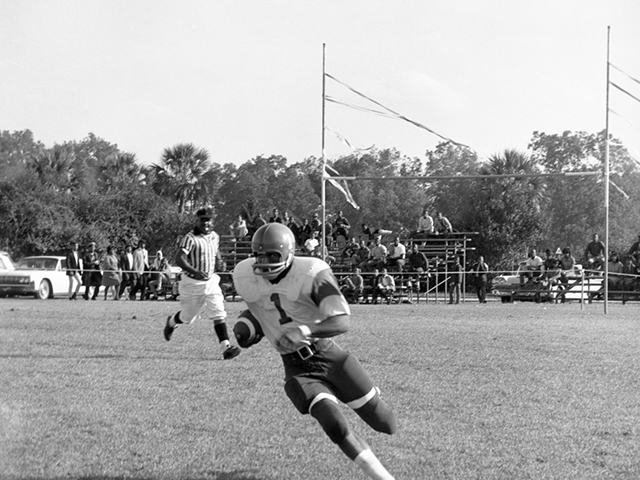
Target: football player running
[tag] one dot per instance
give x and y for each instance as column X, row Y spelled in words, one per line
column 296, row 303
column 200, row 291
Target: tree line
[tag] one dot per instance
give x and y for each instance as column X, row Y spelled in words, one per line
column 90, row 190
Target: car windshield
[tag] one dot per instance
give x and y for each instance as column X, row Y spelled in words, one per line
column 38, row 264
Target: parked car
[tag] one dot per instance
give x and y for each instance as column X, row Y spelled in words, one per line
column 41, row 276
column 5, row 261
column 508, row 288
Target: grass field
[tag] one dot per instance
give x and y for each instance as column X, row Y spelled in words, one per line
column 90, row 390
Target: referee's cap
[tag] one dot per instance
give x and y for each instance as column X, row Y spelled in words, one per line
column 205, row 212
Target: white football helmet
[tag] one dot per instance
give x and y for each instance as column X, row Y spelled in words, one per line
column 275, row 239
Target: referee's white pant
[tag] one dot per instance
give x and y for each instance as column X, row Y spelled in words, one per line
column 201, row 298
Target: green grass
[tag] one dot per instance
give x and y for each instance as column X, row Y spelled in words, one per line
column 90, row 390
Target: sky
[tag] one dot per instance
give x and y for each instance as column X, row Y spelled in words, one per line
column 245, row 78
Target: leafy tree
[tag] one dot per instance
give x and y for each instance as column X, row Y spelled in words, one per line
column 508, row 212
column 576, row 206
column 16, row 149
column 118, row 171
column 450, row 196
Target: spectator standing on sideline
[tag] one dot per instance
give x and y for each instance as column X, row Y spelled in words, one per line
column 480, row 272
column 110, row 266
column 73, row 271
column 200, row 293
column 442, row 225
column 126, row 264
column 140, row 269
column 455, row 277
column 92, row 276
column 296, row 303
column 425, row 225
column 160, row 272
column 594, row 254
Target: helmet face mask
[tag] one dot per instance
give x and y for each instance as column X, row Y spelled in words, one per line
column 273, row 246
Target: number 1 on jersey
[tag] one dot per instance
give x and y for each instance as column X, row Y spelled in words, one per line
column 284, row 318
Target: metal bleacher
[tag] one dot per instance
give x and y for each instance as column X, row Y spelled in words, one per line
column 439, row 250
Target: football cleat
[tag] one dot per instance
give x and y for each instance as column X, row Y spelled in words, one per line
column 168, row 329
column 231, row 352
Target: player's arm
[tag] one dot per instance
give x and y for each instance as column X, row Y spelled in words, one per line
column 182, row 260
column 295, row 337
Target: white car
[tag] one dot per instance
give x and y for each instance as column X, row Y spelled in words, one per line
column 508, row 287
column 5, row 261
column 41, row 276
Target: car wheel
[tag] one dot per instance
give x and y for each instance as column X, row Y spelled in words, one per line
column 44, row 290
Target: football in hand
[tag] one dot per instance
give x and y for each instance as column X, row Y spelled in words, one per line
column 247, row 330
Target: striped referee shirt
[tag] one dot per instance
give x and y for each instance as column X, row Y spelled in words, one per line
column 202, row 250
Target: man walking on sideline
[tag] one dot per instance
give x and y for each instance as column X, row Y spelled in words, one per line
column 200, row 292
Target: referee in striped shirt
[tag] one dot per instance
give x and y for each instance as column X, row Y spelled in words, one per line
column 200, row 293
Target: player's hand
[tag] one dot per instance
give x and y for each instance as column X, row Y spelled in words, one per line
column 200, row 275
column 292, row 339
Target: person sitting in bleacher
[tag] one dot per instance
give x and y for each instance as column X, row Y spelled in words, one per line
column 362, row 256
column 629, row 278
column 595, row 254
column 531, row 268
column 239, row 228
column 615, row 267
column 425, row 225
column 349, row 251
column 378, row 255
column 417, row 261
column 370, row 289
column 396, row 254
column 442, row 225
column 353, row 287
column 552, row 266
column 341, row 226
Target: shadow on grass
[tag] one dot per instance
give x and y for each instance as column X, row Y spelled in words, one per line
column 235, row 475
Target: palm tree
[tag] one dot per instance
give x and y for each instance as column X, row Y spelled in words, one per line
column 120, row 170
column 183, row 173
column 513, row 162
column 54, row 167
